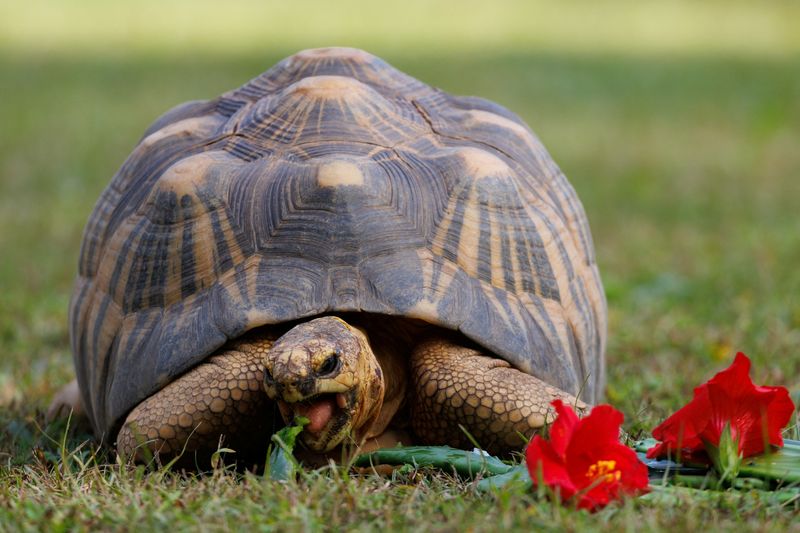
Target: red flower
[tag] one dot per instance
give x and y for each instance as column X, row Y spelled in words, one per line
column 755, row 415
column 584, row 459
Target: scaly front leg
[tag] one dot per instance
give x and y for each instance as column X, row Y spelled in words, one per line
column 498, row 405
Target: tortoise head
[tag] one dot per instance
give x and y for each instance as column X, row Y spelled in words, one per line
column 325, row 370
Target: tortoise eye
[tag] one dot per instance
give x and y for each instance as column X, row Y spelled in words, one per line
column 329, row 365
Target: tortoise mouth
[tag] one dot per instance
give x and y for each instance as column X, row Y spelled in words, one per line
column 325, row 411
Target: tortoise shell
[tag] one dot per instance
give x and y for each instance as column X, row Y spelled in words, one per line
column 332, row 183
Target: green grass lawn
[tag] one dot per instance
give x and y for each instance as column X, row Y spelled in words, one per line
column 677, row 123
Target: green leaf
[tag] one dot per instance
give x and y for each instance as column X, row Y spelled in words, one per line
column 282, row 466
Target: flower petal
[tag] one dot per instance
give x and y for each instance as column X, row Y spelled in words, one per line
column 563, row 427
column 736, row 378
column 781, row 409
column 758, row 420
column 546, row 465
column 682, row 430
column 756, row 415
column 628, row 476
column 601, row 426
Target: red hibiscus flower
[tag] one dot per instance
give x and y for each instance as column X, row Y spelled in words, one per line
column 728, row 402
column 584, row 460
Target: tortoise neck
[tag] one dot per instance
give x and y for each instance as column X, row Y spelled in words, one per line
column 392, row 360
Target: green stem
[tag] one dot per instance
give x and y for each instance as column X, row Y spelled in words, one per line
column 467, row 464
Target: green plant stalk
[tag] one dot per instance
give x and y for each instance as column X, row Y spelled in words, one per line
column 783, row 466
column 668, row 492
column 518, row 478
column 725, row 456
column 775, row 466
column 695, row 482
column 780, row 465
column 464, row 463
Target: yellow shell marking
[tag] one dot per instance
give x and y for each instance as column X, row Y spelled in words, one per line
column 482, row 164
column 327, row 87
column 185, row 176
column 342, row 53
column 190, row 126
column 477, row 117
column 339, row 173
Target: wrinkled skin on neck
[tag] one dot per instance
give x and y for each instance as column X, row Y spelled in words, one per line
column 325, row 370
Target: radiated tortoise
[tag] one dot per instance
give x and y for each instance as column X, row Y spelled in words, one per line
column 339, row 240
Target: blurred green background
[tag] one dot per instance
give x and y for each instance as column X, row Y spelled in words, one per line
column 677, row 122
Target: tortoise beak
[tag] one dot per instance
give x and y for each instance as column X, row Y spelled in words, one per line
column 320, row 410
column 329, row 419
column 292, row 392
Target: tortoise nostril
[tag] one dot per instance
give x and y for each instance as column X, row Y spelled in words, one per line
column 302, row 387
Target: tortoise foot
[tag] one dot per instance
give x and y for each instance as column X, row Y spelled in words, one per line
column 67, row 402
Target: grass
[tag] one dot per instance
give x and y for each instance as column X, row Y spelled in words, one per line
column 676, row 122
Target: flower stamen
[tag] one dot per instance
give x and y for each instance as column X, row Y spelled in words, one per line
column 604, row 471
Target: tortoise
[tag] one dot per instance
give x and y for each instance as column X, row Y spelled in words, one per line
column 338, row 240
